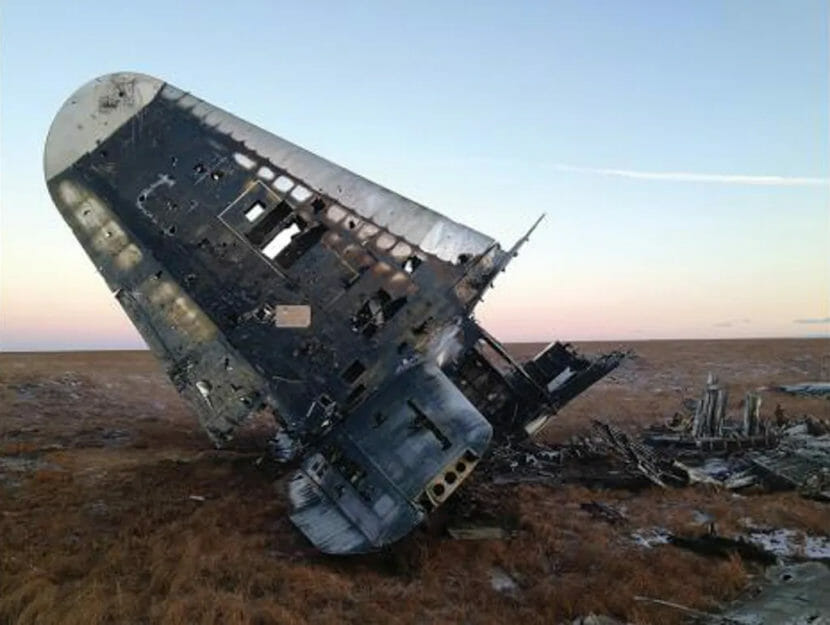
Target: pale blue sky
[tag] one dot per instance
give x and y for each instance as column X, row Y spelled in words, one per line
column 491, row 114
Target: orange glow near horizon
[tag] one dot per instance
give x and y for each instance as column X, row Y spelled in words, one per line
column 78, row 312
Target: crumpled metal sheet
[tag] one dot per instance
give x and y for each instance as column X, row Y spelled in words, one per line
column 792, row 594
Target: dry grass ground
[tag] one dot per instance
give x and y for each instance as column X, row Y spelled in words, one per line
column 99, row 458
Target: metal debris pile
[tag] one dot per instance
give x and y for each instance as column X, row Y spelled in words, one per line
column 706, row 446
column 807, row 389
column 778, row 454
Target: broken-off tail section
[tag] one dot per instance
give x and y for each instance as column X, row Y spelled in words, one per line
column 267, row 278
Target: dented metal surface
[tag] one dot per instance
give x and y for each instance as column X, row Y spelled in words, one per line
column 791, row 594
column 267, row 278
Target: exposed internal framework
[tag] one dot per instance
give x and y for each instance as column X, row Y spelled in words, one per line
column 267, row 278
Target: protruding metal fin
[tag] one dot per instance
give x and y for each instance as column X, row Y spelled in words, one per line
column 504, row 260
column 514, row 251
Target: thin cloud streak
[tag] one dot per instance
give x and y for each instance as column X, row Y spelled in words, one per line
column 684, row 176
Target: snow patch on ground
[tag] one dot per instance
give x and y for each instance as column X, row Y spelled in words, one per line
column 786, row 543
column 651, row 536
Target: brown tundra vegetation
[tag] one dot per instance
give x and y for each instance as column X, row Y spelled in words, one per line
column 115, row 508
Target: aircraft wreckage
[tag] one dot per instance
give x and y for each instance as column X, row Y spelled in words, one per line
column 269, row 279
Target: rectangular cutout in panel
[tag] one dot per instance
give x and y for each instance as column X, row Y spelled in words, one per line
column 283, row 184
column 356, row 395
column 300, row 193
column 292, row 316
column 300, row 245
column 244, row 161
column 353, row 372
column 259, row 233
column 266, row 173
column 376, row 312
column 281, row 241
column 411, row 264
column 253, row 213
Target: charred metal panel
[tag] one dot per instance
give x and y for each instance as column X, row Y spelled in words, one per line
column 265, row 277
column 401, row 454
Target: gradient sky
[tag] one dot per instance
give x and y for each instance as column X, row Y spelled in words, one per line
column 679, row 149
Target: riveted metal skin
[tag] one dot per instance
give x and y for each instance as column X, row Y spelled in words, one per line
column 267, row 278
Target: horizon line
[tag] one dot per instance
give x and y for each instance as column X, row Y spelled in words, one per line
column 507, row 342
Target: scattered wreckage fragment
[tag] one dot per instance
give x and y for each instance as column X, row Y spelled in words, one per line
column 712, row 544
column 587, row 461
column 709, row 448
column 808, row 389
column 710, row 430
column 801, row 462
column 604, row 512
column 790, row 594
column 659, row 469
column 729, row 453
column 792, row 589
column 269, row 279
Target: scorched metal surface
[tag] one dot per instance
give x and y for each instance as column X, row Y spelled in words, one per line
column 267, row 278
